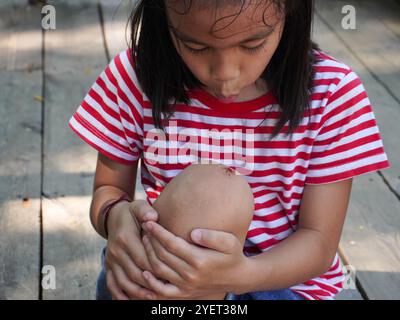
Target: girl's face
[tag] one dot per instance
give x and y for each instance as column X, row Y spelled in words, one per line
column 231, row 59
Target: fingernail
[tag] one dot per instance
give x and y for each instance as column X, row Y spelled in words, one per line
column 196, row 235
column 149, row 226
column 150, row 215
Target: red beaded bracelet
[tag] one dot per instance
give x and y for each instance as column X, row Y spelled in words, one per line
column 106, row 210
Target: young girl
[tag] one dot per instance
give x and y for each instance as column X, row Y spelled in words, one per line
column 294, row 122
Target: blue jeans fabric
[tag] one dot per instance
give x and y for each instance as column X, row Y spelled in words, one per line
column 102, row 292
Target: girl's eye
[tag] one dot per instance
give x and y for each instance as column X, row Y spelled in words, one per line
column 257, row 48
column 196, row 51
column 203, row 50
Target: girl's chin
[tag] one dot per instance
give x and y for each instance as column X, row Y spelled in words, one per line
column 247, row 93
column 229, row 100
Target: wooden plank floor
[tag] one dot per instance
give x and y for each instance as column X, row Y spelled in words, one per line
column 45, row 75
column 20, row 150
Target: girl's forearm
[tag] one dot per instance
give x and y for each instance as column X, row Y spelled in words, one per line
column 102, row 195
column 296, row 259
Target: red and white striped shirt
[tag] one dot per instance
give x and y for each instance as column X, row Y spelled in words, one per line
column 336, row 140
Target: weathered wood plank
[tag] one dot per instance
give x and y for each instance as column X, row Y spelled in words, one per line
column 370, row 239
column 387, row 13
column 75, row 56
column 117, row 32
column 381, row 55
column 349, row 294
column 20, row 150
column 20, row 43
column 371, row 47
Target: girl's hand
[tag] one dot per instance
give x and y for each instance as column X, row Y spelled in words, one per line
column 125, row 256
column 194, row 271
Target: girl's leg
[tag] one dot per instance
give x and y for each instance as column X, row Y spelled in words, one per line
column 206, row 196
column 281, row 294
column 201, row 196
column 102, row 292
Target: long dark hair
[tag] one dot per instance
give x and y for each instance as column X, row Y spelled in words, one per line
column 163, row 74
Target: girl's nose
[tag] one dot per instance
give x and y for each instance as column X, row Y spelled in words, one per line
column 225, row 71
column 225, row 75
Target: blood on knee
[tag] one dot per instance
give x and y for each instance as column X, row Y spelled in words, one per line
column 229, row 171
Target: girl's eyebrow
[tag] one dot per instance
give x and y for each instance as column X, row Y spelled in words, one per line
column 253, row 37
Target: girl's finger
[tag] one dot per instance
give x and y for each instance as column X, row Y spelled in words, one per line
column 173, row 244
column 133, row 272
column 141, row 211
column 166, row 290
column 116, row 292
column 138, row 255
column 181, row 267
column 160, row 269
column 132, row 290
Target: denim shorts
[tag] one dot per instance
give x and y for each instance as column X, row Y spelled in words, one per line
column 102, row 292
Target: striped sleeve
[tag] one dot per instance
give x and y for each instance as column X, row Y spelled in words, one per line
column 110, row 117
column 348, row 142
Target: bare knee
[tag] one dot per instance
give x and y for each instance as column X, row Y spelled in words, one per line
column 207, row 196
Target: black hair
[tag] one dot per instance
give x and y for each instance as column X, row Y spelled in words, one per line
column 163, row 74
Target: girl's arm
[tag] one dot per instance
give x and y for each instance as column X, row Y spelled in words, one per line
column 308, row 252
column 110, row 182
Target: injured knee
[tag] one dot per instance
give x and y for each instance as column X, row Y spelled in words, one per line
column 208, row 196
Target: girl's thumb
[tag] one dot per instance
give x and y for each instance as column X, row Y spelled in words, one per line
column 150, row 215
column 142, row 211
